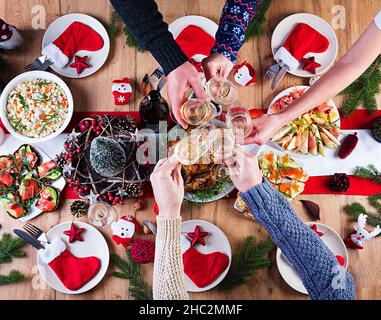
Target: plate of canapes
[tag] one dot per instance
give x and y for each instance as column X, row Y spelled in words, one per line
column 311, row 134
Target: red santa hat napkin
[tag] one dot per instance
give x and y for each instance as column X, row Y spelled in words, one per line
column 78, row 36
column 302, row 40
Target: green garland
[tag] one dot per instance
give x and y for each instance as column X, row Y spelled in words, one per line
column 369, row 172
column 10, row 247
column 132, row 271
column 245, row 262
column 364, row 90
column 255, row 26
column 113, row 31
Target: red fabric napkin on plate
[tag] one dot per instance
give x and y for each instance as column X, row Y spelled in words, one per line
column 194, row 40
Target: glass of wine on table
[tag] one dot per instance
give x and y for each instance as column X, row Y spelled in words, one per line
column 239, row 120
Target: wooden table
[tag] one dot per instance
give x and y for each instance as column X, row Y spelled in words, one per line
column 93, row 94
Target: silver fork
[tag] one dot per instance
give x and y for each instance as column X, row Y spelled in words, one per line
column 40, row 63
column 35, row 232
column 156, row 75
column 272, row 71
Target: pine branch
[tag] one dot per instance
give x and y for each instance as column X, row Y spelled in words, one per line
column 251, row 257
column 132, row 271
column 363, row 91
column 370, row 172
column 355, row 209
column 255, row 26
column 375, row 201
column 10, row 247
column 13, row 277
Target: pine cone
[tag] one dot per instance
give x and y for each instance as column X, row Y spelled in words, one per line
column 60, row 160
column 376, row 129
column 133, row 190
column 126, row 123
column 339, row 182
column 79, row 208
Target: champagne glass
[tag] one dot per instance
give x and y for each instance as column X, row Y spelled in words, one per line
column 197, row 111
column 238, row 118
column 101, row 214
column 221, row 91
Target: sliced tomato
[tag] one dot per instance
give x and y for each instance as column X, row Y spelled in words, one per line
column 46, row 167
column 7, row 162
column 6, row 179
column 45, row 205
column 16, row 210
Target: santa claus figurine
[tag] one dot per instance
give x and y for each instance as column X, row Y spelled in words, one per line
column 245, row 74
column 10, row 38
column 357, row 239
column 123, row 230
column 121, row 90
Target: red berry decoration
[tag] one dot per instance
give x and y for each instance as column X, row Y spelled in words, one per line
column 348, row 145
column 197, row 236
column 74, row 233
column 142, row 251
column 339, row 182
column 84, row 125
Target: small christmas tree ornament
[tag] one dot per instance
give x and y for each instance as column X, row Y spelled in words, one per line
column 339, row 182
column 310, row 65
column 348, row 145
column 245, row 74
column 79, row 208
column 124, row 229
column 197, row 236
column 107, row 157
column 358, row 238
column 74, row 233
column 10, row 38
column 142, row 251
column 122, row 91
column 376, row 129
column 80, row 64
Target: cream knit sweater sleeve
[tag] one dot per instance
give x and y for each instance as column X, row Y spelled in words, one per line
column 168, row 274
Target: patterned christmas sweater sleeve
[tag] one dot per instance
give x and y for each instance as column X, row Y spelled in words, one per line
column 168, row 272
column 234, row 19
column 322, row 275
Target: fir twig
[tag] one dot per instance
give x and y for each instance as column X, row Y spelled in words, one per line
column 255, row 26
column 375, row 201
column 245, row 262
column 132, row 271
column 13, row 277
column 369, row 172
column 363, row 91
column 355, row 209
column 10, row 247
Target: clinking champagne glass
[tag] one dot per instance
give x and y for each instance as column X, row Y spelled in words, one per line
column 239, row 120
column 198, row 111
column 221, row 91
column 101, row 214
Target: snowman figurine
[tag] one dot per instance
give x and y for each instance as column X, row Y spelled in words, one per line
column 10, row 38
column 245, row 74
column 123, row 230
column 122, row 91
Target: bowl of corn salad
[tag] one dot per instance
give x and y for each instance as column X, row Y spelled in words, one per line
column 36, row 106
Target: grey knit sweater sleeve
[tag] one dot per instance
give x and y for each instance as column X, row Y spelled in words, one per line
column 322, row 276
column 145, row 22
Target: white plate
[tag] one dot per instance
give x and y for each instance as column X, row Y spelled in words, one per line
column 206, row 24
column 286, row 92
column 216, row 241
column 94, row 244
column 326, row 59
column 96, row 58
column 330, row 238
column 10, row 146
column 26, row 76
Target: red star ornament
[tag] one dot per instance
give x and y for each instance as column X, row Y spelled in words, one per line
column 197, row 236
column 74, row 233
column 80, row 64
column 314, row 229
column 310, row 65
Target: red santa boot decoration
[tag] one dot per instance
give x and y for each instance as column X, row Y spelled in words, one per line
column 245, row 74
column 122, row 91
column 78, row 36
column 10, row 38
column 123, row 230
column 357, row 239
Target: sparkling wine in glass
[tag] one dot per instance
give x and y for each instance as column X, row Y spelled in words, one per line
column 197, row 111
column 221, row 91
column 101, row 214
column 238, row 118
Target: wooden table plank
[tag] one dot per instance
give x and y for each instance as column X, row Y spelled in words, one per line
column 94, row 94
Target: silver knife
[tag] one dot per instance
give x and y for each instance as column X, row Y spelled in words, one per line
column 28, row 238
column 150, row 226
column 278, row 78
column 161, row 83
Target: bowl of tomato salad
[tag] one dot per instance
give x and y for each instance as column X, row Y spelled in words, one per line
column 36, row 106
